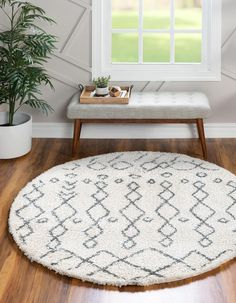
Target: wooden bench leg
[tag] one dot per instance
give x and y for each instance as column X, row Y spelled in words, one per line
column 76, row 137
column 201, row 133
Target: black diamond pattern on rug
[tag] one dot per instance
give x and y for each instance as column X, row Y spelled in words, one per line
column 128, row 218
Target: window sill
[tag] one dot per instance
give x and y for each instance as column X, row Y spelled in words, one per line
column 175, row 73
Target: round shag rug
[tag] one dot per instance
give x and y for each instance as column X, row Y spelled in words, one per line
column 134, row 218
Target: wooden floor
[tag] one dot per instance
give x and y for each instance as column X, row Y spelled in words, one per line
column 24, row 282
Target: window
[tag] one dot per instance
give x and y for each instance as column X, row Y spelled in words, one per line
column 157, row 40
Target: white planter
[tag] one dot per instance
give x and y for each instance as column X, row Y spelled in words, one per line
column 102, row 91
column 16, row 140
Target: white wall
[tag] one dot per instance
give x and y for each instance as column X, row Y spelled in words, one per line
column 72, row 65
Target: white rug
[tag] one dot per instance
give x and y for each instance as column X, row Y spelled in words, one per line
column 128, row 218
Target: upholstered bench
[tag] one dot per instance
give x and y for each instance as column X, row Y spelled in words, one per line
column 144, row 107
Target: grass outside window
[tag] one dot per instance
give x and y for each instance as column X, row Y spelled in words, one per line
column 156, row 47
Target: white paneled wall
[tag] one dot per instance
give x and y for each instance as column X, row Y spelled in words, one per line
column 71, row 65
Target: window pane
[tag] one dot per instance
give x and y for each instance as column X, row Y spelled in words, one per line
column 125, row 47
column 188, row 14
column 188, row 48
column 156, row 14
column 156, row 48
column 125, row 14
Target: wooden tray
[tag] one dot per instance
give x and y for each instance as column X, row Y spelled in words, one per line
column 85, row 97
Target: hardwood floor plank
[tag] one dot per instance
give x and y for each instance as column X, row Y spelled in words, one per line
column 24, row 282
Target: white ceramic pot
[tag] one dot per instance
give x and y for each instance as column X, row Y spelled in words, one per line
column 102, row 91
column 16, row 140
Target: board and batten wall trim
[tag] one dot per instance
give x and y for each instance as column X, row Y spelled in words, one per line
column 72, row 64
column 137, row 131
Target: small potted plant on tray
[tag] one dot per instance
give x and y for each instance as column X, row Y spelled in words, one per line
column 102, row 85
column 24, row 49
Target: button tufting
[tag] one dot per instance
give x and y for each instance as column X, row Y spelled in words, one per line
column 161, row 105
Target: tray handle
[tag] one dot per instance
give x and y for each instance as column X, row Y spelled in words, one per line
column 81, row 87
column 131, row 87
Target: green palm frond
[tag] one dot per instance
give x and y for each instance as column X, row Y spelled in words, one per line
column 3, row 3
column 39, row 104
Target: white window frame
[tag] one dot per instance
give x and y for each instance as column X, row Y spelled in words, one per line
column 208, row 70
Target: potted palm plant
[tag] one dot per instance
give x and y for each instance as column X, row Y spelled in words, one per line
column 24, row 49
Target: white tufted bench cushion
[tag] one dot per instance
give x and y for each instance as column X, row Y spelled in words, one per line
column 145, row 105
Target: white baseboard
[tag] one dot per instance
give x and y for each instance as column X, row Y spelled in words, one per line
column 133, row 131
